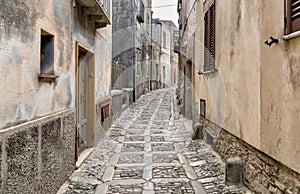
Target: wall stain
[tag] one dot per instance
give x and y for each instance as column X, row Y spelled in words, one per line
column 239, row 17
column 279, row 141
column 17, row 19
column 69, row 92
column 294, row 72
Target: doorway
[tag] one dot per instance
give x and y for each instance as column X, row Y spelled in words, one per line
column 84, row 99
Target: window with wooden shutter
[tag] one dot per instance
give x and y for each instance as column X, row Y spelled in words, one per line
column 292, row 16
column 209, row 39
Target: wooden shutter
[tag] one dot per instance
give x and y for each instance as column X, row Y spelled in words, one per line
column 292, row 16
column 206, row 43
column 209, row 39
column 295, row 15
column 212, row 36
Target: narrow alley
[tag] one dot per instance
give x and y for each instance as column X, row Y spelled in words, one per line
column 149, row 150
column 149, row 97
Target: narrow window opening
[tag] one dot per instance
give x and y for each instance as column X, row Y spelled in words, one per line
column 47, row 54
column 202, row 108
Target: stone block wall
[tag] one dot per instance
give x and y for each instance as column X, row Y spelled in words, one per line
column 38, row 156
column 262, row 174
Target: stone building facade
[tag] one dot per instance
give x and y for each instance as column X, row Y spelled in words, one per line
column 245, row 85
column 187, row 27
column 132, row 43
column 166, row 59
column 155, row 73
column 55, row 81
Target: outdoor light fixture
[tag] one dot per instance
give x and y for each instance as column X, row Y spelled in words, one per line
column 273, row 40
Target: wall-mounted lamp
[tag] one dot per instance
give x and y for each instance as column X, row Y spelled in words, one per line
column 273, row 40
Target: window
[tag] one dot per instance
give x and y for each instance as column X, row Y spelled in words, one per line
column 209, row 39
column 164, row 40
column 176, row 41
column 47, row 54
column 292, row 16
column 202, row 108
column 104, row 112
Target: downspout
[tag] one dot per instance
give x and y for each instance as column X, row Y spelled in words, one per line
column 160, row 46
column 133, row 50
column 151, row 65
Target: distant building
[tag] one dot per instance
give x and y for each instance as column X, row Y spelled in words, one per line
column 165, row 71
column 55, row 82
column 132, row 44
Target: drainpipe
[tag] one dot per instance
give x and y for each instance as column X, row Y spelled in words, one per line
column 160, row 45
column 133, row 50
column 151, row 64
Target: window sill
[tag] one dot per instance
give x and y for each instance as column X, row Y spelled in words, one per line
column 208, row 72
column 292, row 35
column 47, row 78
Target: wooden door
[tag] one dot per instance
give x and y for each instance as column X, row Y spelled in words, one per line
column 84, row 99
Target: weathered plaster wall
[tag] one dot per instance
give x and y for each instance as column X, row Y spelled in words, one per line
column 233, row 94
column 25, row 97
column 280, row 94
column 103, row 62
column 255, row 94
column 239, row 67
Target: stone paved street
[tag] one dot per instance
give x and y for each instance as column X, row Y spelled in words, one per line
column 149, row 150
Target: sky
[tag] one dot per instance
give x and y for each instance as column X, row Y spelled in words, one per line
column 165, row 13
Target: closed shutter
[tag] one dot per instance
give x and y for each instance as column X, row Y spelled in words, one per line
column 206, row 43
column 295, row 15
column 292, row 16
column 212, row 37
column 209, row 39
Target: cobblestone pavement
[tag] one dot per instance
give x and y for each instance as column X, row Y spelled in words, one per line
column 149, row 150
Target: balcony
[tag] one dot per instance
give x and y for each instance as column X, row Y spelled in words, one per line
column 97, row 11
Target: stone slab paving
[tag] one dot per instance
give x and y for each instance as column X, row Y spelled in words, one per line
column 149, row 150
